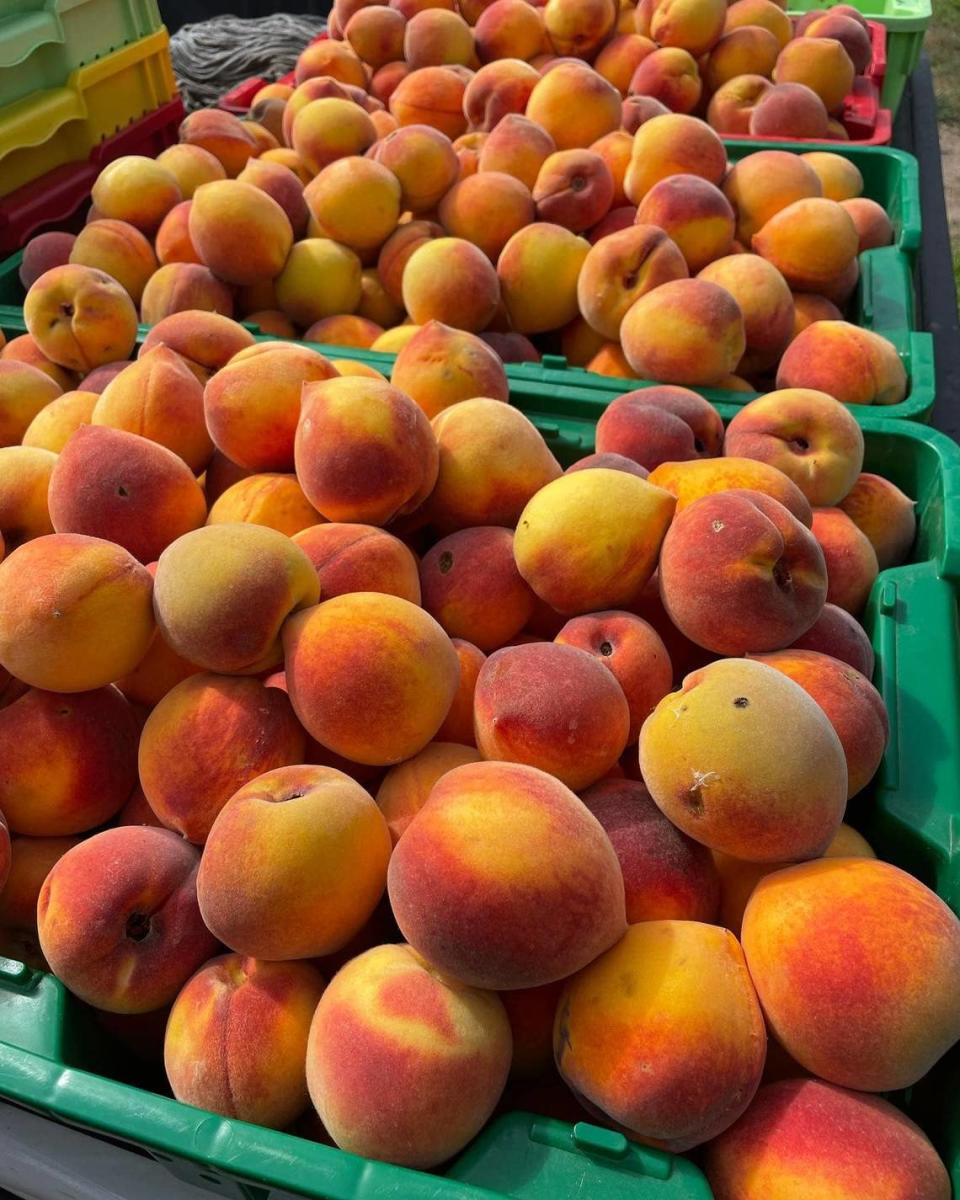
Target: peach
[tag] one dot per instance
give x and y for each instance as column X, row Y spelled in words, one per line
column 499, row 89
column 694, row 213
column 209, row 736
column 615, row 149
column 873, row 226
column 159, row 398
column 137, row 190
column 493, row 461
column 852, row 364
column 118, row 919
column 384, row 123
column 733, row 104
column 67, row 763
column 371, row 676
column 323, row 87
column 364, row 451
column 578, row 28
column 806, row 434
column 885, row 514
column 360, row 558
column 436, row 37
column 667, row 875
column 747, row 50
column 516, row 146
column 389, row 1007
column 673, row 1073
column 118, row 249
column 440, row 367
column 579, row 343
column 356, row 202
column 191, row 165
column 691, row 480
column 610, row 361
column 376, row 35
column 45, row 251
column 833, row 921
column 810, row 242
column 742, row 759
column 851, row 560
column 692, row 25
column 328, row 129
column 487, row 209
column 210, row 1059
column 539, row 252
column 222, row 135
column 837, row 633
column 765, row 301
column 762, row 13
column 25, row 349
column 819, row 63
column 620, row 57
column 75, row 612
column 26, row 392
column 511, row 347
column 452, row 280
column 492, row 914
column 31, row 860
column 762, row 184
column 673, row 144
column 320, row 278
column 575, row 105
column 391, row 342
column 332, row 58
column 800, row 1136
column 183, row 287
column 156, row 674
column 80, row 317
column 574, row 189
column 637, row 110
column 274, row 500
column 615, row 462
column 790, row 110
column 839, row 177
column 376, row 304
column 430, row 96
column 530, row 1012
column 669, row 75
column 397, row 251
column 173, row 242
column 282, row 185
column 241, row 233
column 590, row 540
column 660, row 424
column 345, row 330
column 25, row 473
column 458, row 724
column 846, row 26
column 407, row 786
column 203, row 342
column 223, row 592
column 422, row 160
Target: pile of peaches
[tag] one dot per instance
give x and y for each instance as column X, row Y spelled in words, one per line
column 369, row 769
column 531, row 204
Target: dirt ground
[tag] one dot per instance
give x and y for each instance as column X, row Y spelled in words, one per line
column 942, row 43
column 950, row 150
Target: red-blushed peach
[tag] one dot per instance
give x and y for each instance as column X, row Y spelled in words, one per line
column 819, row 63
column 762, row 184
column 590, row 540
column 323, row 130
column 389, row 1009
column 406, row 787
column 190, row 166
column 694, row 25
column 372, row 654
column 806, row 434
column 80, row 317
column 31, row 860
column 471, row 585
column 458, row 724
column 26, row 392
column 25, row 473
column 135, row 189
column 835, row 922
column 220, row 134
column 253, row 889
column 173, row 242
column 516, row 146
column 852, row 364
column 632, row 651
column 440, row 367
column 669, row 75
column 283, row 185
column 332, row 58
column 487, row 209
column 376, row 35
column 524, row 886
column 497, row 91
column 851, row 560
column 667, row 875
column 75, row 612
column 356, row 202
column 529, row 697
column 749, row 50
column 424, row 163
column 530, row 1012
column 673, row 144
column 452, row 280
column 803, row 1137
column 808, row 308
column 118, row 919
column 360, row 558
column 575, row 105
column 636, row 111
column 158, row 397
column 660, row 424
column 872, row 223
column 733, row 104
column 430, row 96
column 674, row 1072
column 738, row 572
column 810, row 242
column 47, row 250
column 764, row 300
column 744, row 761
column 615, row 462
column 236, row 1039
column 789, row 110
column 694, row 213
column 126, row 489
column 574, row 189
column 687, row 331
column 885, row 514
column 252, row 405
column 223, row 592
column 541, row 251
column 437, row 37
column 204, row 342
column 837, row 633
column 691, row 480
column 364, row 451
column 620, row 57
column 120, row 250
column 67, row 763
column 273, row 499
column 396, row 253
column 578, row 29
column 241, row 233
column 25, row 349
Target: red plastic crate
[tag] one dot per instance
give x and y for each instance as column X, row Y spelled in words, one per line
column 239, row 99
column 57, row 199
column 866, row 123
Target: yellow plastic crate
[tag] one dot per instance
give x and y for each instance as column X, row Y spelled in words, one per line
column 62, row 125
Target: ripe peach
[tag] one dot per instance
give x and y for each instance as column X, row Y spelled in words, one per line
column 45, row 251
column 436, row 37
column 183, row 287
column 871, row 221
column 137, row 190
column 810, row 242
column 203, row 342
column 332, row 58
column 694, row 213
column 541, row 251
column 660, row 424
column 191, row 165
column 441, row 366
column 575, row 105
column 173, row 242
column 282, row 185
column 837, row 633
column 487, row 209
column 615, row 462
column 850, row 363
column 574, row 188
column 26, row 393
column 376, row 35
column 763, row 13
column 273, row 499
column 241, row 233
column 458, row 724
column 620, row 57
column 578, row 28
column 452, row 280
column 25, row 349
column 615, row 149
column 118, row 249
column 220, row 134
column 516, row 146
column 31, row 860
column 747, row 50
column 819, row 63
column 356, row 202
column 692, row 25
column 407, row 786
column 669, row 75
column 397, row 251
column 691, row 480
column 80, row 317
column 499, row 89
column 157, row 673
column 851, row 560
column 393, row 341
column 673, row 144
column 637, row 110
column 765, row 301
column 423, row 161
column 733, row 104
column 320, row 278
column 431, row 96
column 762, row 184
column 790, row 110
column 839, row 177
column 330, row 128
column 25, row 473
column 360, row 558
column 885, row 514
column 345, row 330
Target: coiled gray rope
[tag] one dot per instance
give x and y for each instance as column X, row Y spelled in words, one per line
column 211, row 57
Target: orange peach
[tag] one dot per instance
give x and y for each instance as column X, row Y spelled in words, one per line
column 673, row 144
column 282, row 185
column 885, row 514
column 810, row 242
column 222, row 135
column 530, row 1012
column 328, row 129
column 320, row 278
column 575, row 105
column 397, row 251
column 762, row 184
column 660, row 424
column 747, row 50
column 331, row 58
column 26, row 392
column 31, row 860
column 430, row 96
column 423, row 161
column 436, row 37
column 637, row 110
column 241, row 233
column 763, row 13
column 615, row 462
column 615, row 149
column 119, row 249
column 578, row 28
column 376, row 35
column 733, row 104
column 579, row 343
column 499, row 89
column 541, row 251
column 376, row 304
column 25, row 473
column 25, row 349
column 356, row 202
column 692, row 25
column 137, row 190
column 852, row 364
column 48, row 250
column 80, row 317
column 574, row 189
column 360, row 558
column 275, row 500
column 273, row 322
column 345, row 330
column 873, row 226
column 516, row 146
column 157, row 673
column 458, row 724
column 851, row 560
column 191, row 165
column 790, row 110
column 689, row 481
column 819, row 63
column 620, row 57
column 694, row 213
column 392, row 342
column 765, row 301
column 669, row 75
column 173, row 242
column 183, row 287
column 839, row 177
column 450, row 279
column 487, row 209
column 407, row 786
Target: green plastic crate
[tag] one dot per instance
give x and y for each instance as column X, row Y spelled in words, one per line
column 906, row 22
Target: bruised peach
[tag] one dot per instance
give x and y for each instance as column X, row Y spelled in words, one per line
column 120, row 250
column 852, row 364
column 851, row 560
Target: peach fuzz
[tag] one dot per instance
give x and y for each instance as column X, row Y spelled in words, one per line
column 660, row 424
column 854, row 365
column 25, row 473
column 273, row 499
column 669, row 75
column 424, row 163
column 320, row 278
column 376, row 35
column 885, row 514
column 810, row 242
column 282, row 184
column 407, row 786
column 347, row 329
column 67, row 763
column 135, row 189
column 99, row 906
column 204, row 342
column 620, row 57
column 31, row 860
column 25, row 349
column 356, row 202
column 821, row 64
column 748, row 50
column 389, row 1007
column 706, row 334
column 541, row 251
column 803, row 1137
column 26, row 393
column 764, row 300
column 733, row 104
column 851, row 560
column 159, row 398
column 241, row 233
column 75, row 612
column 430, row 96
column 220, row 134
column 118, row 249
column 450, row 279
column 493, row 461
column 173, row 242
column 458, row 724
column 575, row 105
column 487, row 209
column 125, row 489
column 673, row 144
column 746, row 735
column 48, row 250
column 516, row 146
column 190, row 166
column 762, row 184
column 694, row 213
column 873, row 226
column 790, row 110
column 676, row 1073
column 208, row 1056
column 806, row 922
column 489, row 912
column 691, row 480
column 806, row 434
column 80, row 317
column 183, row 287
